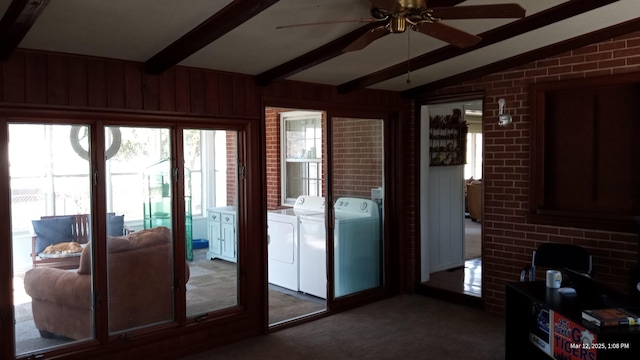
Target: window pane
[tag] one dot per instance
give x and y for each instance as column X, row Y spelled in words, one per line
column 290, row 295
column 139, row 264
column 50, row 214
column 193, row 142
column 358, row 182
column 139, row 149
column 213, row 282
column 302, row 139
column 478, row 156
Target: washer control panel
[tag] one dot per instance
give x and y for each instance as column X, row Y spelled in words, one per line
column 355, row 206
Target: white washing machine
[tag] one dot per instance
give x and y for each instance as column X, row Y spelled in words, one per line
column 313, row 255
column 283, row 235
column 357, row 245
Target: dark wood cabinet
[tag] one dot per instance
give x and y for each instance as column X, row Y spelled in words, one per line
column 584, row 169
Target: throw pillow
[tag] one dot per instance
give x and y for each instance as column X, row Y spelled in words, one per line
column 85, row 261
column 115, row 225
column 51, row 231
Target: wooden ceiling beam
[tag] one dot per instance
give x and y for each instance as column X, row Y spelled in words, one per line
column 538, row 20
column 16, row 23
column 312, row 58
column 225, row 20
column 538, row 54
column 326, row 52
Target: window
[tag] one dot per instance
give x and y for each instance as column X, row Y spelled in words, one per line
column 54, row 184
column 473, row 117
column 473, row 167
column 301, row 154
column 54, row 191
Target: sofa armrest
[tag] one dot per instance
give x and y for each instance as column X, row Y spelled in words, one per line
column 60, row 286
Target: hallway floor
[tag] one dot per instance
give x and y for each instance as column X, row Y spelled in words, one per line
column 467, row 280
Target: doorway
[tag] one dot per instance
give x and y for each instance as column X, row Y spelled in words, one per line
column 295, row 152
column 451, row 197
column 325, row 197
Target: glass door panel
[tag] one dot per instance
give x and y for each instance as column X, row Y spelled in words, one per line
column 50, row 220
column 140, row 264
column 211, row 200
column 357, row 192
column 295, row 213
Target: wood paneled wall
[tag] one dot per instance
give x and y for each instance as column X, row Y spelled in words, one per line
column 40, row 78
column 61, row 82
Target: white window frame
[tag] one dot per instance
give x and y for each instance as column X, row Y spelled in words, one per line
column 473, row 167
column 299, row 116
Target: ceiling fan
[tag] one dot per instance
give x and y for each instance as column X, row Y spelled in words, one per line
column 395, row 16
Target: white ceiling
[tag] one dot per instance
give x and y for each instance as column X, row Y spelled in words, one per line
column 137, row 30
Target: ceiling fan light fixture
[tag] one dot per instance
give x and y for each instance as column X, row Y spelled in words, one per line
column 398, row 24
column 411, row 4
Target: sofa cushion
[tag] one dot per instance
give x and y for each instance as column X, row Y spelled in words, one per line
column 85, row 261
column 116, row 244
column 52, row 231
column 149, row 237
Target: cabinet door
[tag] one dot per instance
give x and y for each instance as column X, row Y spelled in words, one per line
column 214, row 236
column 228, row 240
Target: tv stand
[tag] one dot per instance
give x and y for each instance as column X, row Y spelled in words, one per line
column 527, row 304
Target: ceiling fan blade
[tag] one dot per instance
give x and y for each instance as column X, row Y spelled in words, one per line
column 361, row 20
column 479, row 12
column 390, row 5
column 366, row 39
column 449, row 34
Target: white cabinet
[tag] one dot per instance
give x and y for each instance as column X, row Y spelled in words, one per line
column 222, row 233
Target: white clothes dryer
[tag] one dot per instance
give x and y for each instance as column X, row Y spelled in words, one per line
column 283, row 240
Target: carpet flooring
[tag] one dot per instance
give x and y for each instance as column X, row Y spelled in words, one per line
column 402, row 327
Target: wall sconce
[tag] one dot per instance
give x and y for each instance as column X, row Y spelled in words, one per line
column 503, row 119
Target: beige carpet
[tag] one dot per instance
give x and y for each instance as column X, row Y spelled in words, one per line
column 403, row 327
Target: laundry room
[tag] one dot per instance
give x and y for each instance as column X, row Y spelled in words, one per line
column 297, row 177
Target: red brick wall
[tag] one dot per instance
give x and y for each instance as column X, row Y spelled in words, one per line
column 272, row 142
column 508, row 237
column 357, row 157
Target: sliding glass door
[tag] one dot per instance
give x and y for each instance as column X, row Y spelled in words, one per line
column 296, row 237
column 104, row 248
column 211, row 209
column 357, row 188
column 139, row 223
column 51, row 208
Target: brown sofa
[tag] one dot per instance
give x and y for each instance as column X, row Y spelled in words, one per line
column 474, row 200
column 140, row 287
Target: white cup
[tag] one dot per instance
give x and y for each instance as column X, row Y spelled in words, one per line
column 554, row 279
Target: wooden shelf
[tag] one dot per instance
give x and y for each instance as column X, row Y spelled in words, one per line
column 447, row 139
